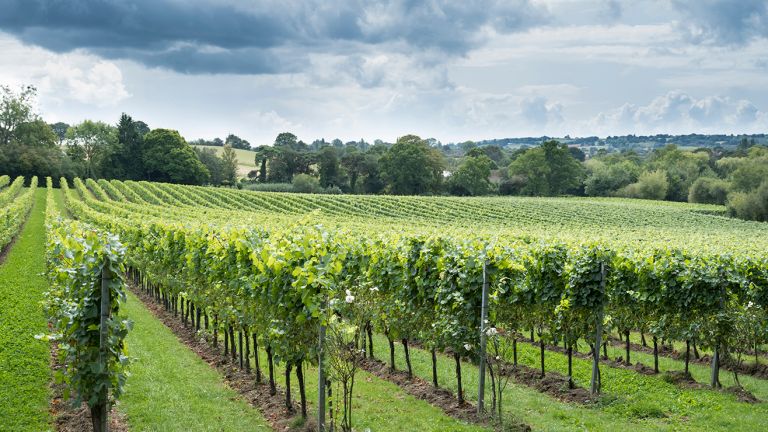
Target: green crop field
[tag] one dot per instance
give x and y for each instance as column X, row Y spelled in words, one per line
column 404, row 276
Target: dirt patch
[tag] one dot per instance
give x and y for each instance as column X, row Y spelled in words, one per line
column 69, row 418
column 742, row 395
column 553, row 384
column 272, row 407
column 438, row 397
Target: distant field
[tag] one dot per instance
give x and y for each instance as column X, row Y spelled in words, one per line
column 246, row 159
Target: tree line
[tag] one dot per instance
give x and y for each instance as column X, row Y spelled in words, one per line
column 735, row 176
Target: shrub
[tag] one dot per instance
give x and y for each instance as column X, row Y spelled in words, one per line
column 651, row 185
column 708, row 190
column 750, row 205
column 305, row 183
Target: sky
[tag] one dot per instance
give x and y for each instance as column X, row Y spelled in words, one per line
column 450, row 70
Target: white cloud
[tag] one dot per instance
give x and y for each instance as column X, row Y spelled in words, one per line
column 678, row 112
column 62, row 79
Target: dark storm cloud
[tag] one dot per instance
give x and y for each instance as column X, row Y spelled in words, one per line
column 723, row 22
column 215, row 36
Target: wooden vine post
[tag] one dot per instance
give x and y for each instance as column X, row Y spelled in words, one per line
column 595, row 383
column 483, row 340
column 99, row 413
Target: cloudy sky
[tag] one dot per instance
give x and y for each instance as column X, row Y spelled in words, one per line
column 452, row 70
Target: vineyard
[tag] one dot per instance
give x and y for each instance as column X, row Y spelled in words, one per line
column 588, row 314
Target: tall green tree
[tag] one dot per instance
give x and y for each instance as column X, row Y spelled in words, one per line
column 91, row 144
column 354, row 163
column 131, row 139
column 236, row 142
column 229, row 165
column 472, row 177
column 412, row 167
column 168, row 158
column 212, row 162
column 547, row 170
column 60, row 129
column 329, row 167
column 15, row 110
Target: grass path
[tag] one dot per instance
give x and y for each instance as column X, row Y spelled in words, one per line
column 172, row 389
column 24, row 361
column 378, row 405
column 632, row 401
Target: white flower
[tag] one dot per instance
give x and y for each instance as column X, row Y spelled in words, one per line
column 491, row 331
column 349, row 298
column 749, row 305
column 375, row 289
column 468, row 347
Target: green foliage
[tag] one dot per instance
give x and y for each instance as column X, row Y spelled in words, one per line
column 305, row 183
column 167, row 157
column 547, row 170
column 80, row 260
column 708, row 190
column 15, row 110
column 607, row 175
column 91, row 144
column 750, row 205
column 682, row 169
column 472, row 177
column 650, row 185
column 412, row 167
column 229, row 165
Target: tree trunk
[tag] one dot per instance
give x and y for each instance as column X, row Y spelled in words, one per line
column 656, row 354
column 605, row 350
column 232, row 343
column 695, row 350
column 434, row 368
column 205, row 320
column 627, row 346
column 570, row 366
column 270, row 361
column 407, row 358
column 514, row 351
column 391, row 353
column 99, row 418
column 532, row 341
column 369, row 329
column 198, row 312
column 288, row 402
column 642, row 339
column 457, row 359
column 240, row 347
column 302, row 390
column 541, row 353
column 226, row 343
column 215, row 331
column 256, row 362
column 247, row 352
column 687, row 354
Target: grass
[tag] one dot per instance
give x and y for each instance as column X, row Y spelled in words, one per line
column 630, row 401
column 378, row 404
column 24, row 361
column 172, row 389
